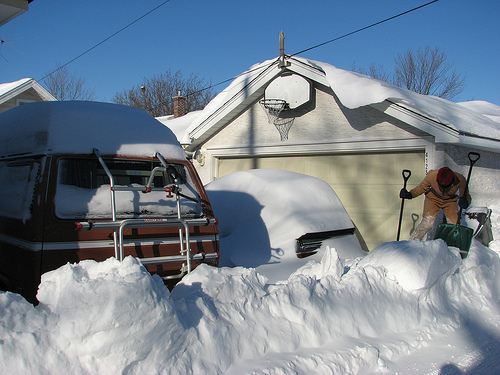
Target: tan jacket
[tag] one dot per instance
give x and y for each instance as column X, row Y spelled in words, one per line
column 432, row 190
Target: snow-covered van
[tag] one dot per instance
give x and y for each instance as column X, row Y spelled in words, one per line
column 89, row 180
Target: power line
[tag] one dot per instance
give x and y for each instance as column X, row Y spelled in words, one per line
column 105, row 40
column 310, row 48
column 364, row 28
column 214, row 85
column 249, row 71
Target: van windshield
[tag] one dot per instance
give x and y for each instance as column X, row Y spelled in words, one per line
column 83, row 190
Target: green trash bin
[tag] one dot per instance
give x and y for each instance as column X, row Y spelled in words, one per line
column 456, row 235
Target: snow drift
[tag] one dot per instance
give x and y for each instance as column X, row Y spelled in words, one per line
column 114, row 317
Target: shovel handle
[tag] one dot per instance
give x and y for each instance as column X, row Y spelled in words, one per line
column 473, row 157
column 406, row 176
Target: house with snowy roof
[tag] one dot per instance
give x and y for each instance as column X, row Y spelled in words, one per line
column 26, row 90
column 356, row 133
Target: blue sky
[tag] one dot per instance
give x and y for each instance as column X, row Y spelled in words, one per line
column 220, row 39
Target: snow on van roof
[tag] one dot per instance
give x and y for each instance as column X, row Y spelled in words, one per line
column 77, row 127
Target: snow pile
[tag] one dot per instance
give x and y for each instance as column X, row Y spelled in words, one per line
column 114, row 317
column 262, row 212
column 417, row 265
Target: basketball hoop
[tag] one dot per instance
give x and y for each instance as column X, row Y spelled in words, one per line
column 273, row 108
column 284, row 125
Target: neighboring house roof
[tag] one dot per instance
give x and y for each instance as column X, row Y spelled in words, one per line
column 10, row 9
column 13, row 89
column 447, row 121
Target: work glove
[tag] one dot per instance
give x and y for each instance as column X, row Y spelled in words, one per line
column 405, row 194
column 463, row 203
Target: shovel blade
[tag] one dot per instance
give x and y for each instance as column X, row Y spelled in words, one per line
column 456, row 235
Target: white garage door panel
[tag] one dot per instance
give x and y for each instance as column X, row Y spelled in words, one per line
column 367, row 184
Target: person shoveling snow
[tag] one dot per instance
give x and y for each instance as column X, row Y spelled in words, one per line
column 444, row 190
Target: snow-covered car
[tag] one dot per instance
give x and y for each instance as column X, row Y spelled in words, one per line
column 88, row 180
column 276, row 221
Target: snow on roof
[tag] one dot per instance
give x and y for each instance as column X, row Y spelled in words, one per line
column 354, row 90
column 228, row 97
column 6, row 87
column 485, row 108
column 180, row 124
column 12, row 89
column 79, row 127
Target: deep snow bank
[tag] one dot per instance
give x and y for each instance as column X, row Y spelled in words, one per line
column 262, row 212
column 114, row 317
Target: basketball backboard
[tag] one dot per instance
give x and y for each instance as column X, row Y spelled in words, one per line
column 293, row 88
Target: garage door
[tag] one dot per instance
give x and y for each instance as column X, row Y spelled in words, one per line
column 367, row 184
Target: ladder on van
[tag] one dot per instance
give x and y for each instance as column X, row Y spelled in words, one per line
column 118, row 226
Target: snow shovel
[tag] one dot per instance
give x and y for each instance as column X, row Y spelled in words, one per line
column 458, row 235
column 406, row 176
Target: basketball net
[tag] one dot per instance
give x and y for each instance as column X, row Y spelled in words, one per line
column 273, row 108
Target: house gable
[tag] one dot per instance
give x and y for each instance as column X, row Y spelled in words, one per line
column 244, row 91
column 446, row 121
column 23, row 91
column 323, row 120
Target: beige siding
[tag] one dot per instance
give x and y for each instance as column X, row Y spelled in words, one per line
column 323, row 120
column 28, row 95
column 367, row 184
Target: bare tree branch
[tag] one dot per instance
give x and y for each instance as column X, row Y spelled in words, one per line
column 65, row 86
column 157, row 92
column 424, row 71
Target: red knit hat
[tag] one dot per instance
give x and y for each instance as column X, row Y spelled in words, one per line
column 445, row 176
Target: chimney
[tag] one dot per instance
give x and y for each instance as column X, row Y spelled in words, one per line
column 180, row 107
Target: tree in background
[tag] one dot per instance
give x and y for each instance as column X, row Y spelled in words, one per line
column 65, row 86
column 156, row 93
column 424, row 71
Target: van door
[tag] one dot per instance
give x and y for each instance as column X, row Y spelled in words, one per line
column 21, row 224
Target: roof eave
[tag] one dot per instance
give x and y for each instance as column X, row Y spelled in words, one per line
column 445, row 134
column 26, row 85
column 418, row 120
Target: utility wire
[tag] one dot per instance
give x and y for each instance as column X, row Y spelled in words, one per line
column 108, row 38
column 246, row 72
column 310, row 48
column 364, row 28
column 214, row 85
